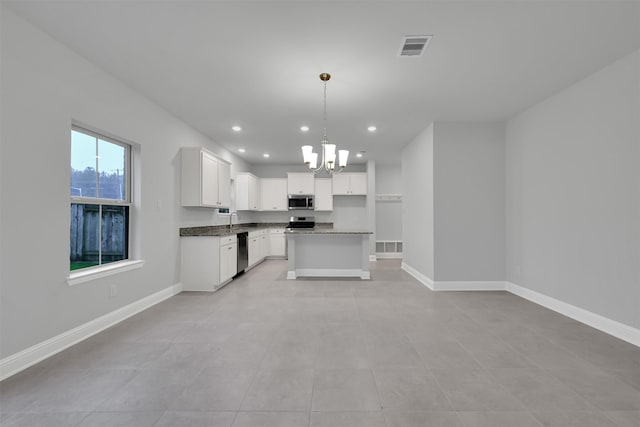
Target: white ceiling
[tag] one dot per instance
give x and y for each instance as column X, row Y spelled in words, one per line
column 256, row 64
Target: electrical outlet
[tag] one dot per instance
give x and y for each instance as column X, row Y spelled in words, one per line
column 113, row 290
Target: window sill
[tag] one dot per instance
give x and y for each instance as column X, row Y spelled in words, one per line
column 94, row 273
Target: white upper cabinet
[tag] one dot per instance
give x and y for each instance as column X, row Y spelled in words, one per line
column 247, row 192
column 300, row 183
column 274, row 194
column 324, row 194
column 350, row 184
column 205, row 179
column 224, row 184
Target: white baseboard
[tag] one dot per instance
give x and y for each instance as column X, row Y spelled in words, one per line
column 604, row 324
column 373, row 258
column 328, row 272
column 417, row 275
column 17, row 362
column 469, row 286
column 389, row 255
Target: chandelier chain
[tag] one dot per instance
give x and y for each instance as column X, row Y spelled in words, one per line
column 325, row 109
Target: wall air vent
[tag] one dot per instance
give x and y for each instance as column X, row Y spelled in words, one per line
column 414, row 45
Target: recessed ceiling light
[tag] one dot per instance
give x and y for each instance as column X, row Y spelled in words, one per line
column 242, row 150
column 358, row 155
column 236, row 128
column 304, row 128
column 371, row 128
column 266, row 155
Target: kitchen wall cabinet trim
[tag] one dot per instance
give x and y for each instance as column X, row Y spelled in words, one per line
column 206, row 179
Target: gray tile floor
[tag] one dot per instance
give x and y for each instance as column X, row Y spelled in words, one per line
column 264, row 351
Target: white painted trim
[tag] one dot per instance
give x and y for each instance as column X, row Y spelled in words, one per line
column 17, row 362
column 469, row 286
column 291, row 275
column 417, row 275
column 389, row 255
column 93, row 273
column 372, row 258
column 329, row 272
column 604, row 324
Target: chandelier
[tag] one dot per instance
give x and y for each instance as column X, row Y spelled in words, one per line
column 328, row 150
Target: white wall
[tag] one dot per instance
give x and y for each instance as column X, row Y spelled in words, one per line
column 573, row 194
column 388, row 213
column 469, row 174
column 44, row 87
column 417, row 203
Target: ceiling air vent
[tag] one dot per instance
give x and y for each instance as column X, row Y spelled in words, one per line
column 414, row 45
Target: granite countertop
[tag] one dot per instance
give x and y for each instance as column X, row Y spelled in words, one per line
column 322, row 230
column 223, row 230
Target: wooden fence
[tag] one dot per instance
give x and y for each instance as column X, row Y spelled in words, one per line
column 86, row 238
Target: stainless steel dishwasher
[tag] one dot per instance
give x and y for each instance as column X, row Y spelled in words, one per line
column 243, row 252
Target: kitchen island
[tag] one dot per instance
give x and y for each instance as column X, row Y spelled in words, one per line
column 328, row 252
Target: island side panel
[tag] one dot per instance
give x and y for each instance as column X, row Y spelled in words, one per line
column 291, row 260
column 328, row 255
column 365, row 274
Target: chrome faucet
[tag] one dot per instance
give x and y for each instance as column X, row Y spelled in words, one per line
column 231, row 214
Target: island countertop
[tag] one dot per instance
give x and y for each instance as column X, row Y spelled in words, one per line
column 323, row 230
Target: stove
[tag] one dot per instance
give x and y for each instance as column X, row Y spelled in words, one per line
column 302, row 222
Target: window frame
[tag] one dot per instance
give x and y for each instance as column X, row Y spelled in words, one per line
column 102, row 270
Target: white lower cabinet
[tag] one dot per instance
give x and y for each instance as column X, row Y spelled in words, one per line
column 228, row 261
column 257, row 246
column 277, row 243
column 208, row 262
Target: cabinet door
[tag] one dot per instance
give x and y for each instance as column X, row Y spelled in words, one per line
column 247, row 192
column 300, row 183
column 341, row 184
column 274, row 194
column 254, row 193
column 324, row 194
column 278, row 245
column 253, row 246
column 224, row 185
column 200, row 263
column 358, row 183
column 228, row 261
column 264, row 246
column 209, row 188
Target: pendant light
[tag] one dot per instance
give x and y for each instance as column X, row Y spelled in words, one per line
column 328, row 163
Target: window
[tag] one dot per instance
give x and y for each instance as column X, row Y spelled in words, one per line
column 100, row 199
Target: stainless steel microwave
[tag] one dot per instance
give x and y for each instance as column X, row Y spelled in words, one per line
column 300, row 202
